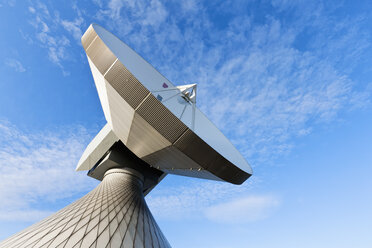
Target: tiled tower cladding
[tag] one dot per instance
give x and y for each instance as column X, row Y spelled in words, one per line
column 114, row 214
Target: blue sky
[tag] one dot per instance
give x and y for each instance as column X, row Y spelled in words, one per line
column 289, row 82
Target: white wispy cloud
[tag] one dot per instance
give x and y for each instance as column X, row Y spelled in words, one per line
column 38, row 169
column 45, row 24
column 180, row 202
column 24, row 215
column 74, row 27
column 31, row 9
column 243, row 209
column 53, row 32
column 11, row 3
column 15, row 64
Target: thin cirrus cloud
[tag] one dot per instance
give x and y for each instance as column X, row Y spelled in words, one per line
column 243, row 209
column 39, row 169
column 44, row 24
column 74, row 26
column 186, row 202
column 216, row 201
column 15, row 64
column 50, row 33
column 24, row 215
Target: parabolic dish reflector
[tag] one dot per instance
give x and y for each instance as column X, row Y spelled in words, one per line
column 158, row 121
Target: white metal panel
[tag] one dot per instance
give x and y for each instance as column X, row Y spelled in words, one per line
column 144, row 139
column 206, row 130
column 187, row 116
column 171, row 158
column 204, row 174
column 97, row 148
column 139, row 67
column 121, row 113
column 173, row 101
column 99, row 81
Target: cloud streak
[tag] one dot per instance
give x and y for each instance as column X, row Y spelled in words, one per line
column 15, row 64
column 37, row 170
column 54, row 33
column 242, row 210
column 173, row 203
column 45, row 24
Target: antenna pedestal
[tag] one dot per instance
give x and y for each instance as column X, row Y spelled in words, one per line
column 114, row 214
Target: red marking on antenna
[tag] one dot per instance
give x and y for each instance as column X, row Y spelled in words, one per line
column 165, row 85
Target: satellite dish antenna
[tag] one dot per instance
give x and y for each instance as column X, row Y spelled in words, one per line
column 154, row 128
column 156, row 120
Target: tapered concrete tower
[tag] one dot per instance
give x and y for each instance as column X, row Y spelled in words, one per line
column 114, row 214
column 153, row 129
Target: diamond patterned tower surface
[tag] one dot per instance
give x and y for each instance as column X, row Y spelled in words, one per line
column 114, row 214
